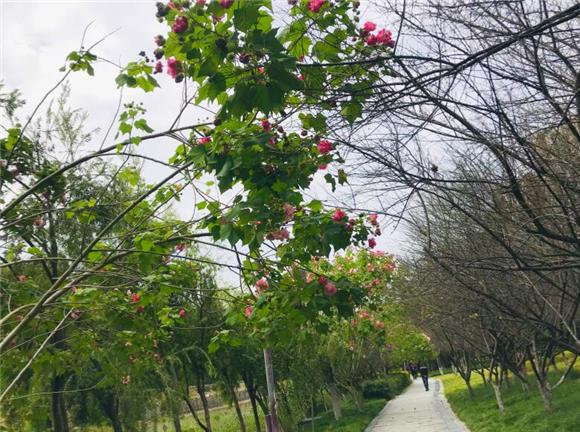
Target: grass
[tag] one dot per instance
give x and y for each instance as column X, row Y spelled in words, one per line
column 522, row 412
column 351, row 421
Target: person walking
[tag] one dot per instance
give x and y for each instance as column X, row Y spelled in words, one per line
column 424, row 371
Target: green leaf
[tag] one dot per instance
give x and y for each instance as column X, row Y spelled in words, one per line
column 142, row 124
column 351, row 111
column 316, row 206
column 246, row 16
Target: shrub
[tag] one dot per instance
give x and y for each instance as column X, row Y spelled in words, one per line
column 387, row 387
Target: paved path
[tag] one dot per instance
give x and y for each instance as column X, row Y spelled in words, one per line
column 417, row 410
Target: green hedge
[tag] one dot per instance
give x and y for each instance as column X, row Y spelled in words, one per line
column 387, row 387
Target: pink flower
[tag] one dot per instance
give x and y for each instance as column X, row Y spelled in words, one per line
column 375, row 282
column 324, row 146
column 371, row 40
column 173, row 67
column 322, row 280
column 204, row 140
column 200, row 2
column 352, row 271
column 289, row 211
column 261, row 69
column 353, row 322
column 180, row 25
column 39, row 222
column 329, row 289
column 248, row 311
column 262, row 284
column 369, row 26
column 22, row 278
column 135, row 298
column 282, row 234
column 370, row 268
column 385, row 37
column 315, row 5
column 322, row 167
column 179, row 247
column 74, row 289
column 389, row 267
column 181, row 313
column 363, row 314
column 338, row 215
column 266, row 125
column 373, row 219
column 140, row 309
column 301, row 77
column 158, row 67
column 372, row 243
column 226, row 4
column 309, row 278
column 379, row 324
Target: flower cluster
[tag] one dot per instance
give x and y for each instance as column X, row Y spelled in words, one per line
column 329, row 288
column 315, row 5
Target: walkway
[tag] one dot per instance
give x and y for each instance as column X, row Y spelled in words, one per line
column 418, row 411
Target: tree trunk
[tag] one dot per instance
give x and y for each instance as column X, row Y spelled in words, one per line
column 110, row 405
column 358, row 398
column 469, row 388
column 498, row 397
column 238, row 410
column 201, row 391
column 175, row 418
column 335, row 398
column 252, row 396
column 272, row 423
column 58, row 407
column 194, row 413
column 546, row 394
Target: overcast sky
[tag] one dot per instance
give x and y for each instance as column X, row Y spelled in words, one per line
column 37, row 36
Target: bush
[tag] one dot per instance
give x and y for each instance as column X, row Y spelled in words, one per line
column 388, row 387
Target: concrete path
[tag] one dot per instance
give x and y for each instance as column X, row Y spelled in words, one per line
column 417, row 410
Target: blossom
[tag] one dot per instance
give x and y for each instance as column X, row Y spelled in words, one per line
column 173, row 67
column 39, row 222
column 375, row 282
column 322, row 280
column 282, row 234
column 379, row 324
column 373, row 219
column 371, row 40
column 315, row 5
column 248, row 311
column 204, row 140
column 180, row 25
column 353, row 322
column 200, row 2
column 126, row 380
column 261, row 69
column 266, row 125
column 158, row 67
column 369, row 26
column 226, row 4
column 322, row 167
column 289, row 211
column 324, row 146
column 389, row 267
column 301, row 77
column 135, row 298
column 370, row 268
column 338, row 215
column 309, row 278
column 180, row 247
column 363, row 314
column 372, row 243
column 140, row 309
column 385, row 37
column 262, row 284
column 329, row 289
column 181, row 313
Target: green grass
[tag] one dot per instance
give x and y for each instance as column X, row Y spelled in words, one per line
column 522, row 412
column 351, row 421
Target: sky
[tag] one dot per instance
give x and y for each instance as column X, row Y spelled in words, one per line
column 36, row 36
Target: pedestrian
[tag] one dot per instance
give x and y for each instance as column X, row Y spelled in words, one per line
column 424, row 371
column 414, row 370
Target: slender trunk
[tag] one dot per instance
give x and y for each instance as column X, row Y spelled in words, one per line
column 189, row 404
column 498, row 396
column 469, row 388
column 439, row 366
column 335, row 398
column 252, row 396
column 58, row 407
column 358, row 398
column 201, row 391
column 238, row 410
column 110, row 405
column 272, row 423
column 175, row 418
column 546, row 394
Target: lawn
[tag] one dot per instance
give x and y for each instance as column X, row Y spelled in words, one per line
column 351, row 421
column 522, row 412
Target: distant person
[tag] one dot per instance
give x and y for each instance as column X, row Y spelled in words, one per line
column 424, row 371
column 414, row 370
